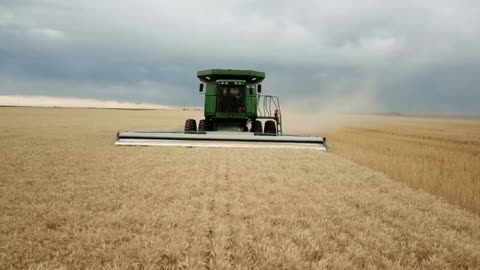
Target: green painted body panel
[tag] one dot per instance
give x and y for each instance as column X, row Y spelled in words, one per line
column 217, row 79
column 251, row 78
column 210, row 99
column 251, row 109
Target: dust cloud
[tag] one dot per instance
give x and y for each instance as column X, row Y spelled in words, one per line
column 329, row 113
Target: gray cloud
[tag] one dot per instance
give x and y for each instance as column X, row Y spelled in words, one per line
column 413, row 56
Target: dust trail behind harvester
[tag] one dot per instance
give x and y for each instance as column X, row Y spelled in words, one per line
column 329, row 113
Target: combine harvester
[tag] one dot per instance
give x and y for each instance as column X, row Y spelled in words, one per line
column 234, row 111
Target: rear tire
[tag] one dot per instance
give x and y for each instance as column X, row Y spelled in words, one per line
column 190, row 125
column 270, row 127
column 257, row 127
column 202, row 125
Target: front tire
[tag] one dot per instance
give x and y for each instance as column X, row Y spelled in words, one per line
column 257, row 127
column 202, row 125
column 190, row 125
column 270, row 127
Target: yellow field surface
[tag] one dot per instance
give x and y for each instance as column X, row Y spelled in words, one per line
column 70, row 199
column 440, row 156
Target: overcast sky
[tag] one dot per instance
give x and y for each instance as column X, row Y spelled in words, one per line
column 404, row 56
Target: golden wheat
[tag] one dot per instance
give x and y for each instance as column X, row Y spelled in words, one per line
column 70, row 199
column 440, row 156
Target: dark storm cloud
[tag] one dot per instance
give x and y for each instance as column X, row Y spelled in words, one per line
column 418, row 56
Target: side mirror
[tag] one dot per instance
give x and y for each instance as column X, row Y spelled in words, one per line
column 200, row 88
column 259, row 88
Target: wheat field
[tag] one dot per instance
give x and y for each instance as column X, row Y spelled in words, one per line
column 440, row 156
column 70, row 199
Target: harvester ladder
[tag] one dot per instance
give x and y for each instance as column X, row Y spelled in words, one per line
column 266, row 108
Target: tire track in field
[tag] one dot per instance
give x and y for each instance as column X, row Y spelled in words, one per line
column 210, row 230
column 226, row 220
column 221, row 235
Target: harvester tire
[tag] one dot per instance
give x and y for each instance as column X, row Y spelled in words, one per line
column 256, row 127
column 190, row 125
column 270, row 127
column 202, row 125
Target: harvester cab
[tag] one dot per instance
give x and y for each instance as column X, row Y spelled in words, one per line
column 236, row 114
column 233, row 102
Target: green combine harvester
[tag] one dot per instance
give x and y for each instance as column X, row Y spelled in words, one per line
column 236, row 115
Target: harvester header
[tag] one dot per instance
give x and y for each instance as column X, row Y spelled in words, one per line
column 236, row 114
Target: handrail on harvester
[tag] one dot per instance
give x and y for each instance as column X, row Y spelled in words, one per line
column 267, row 106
